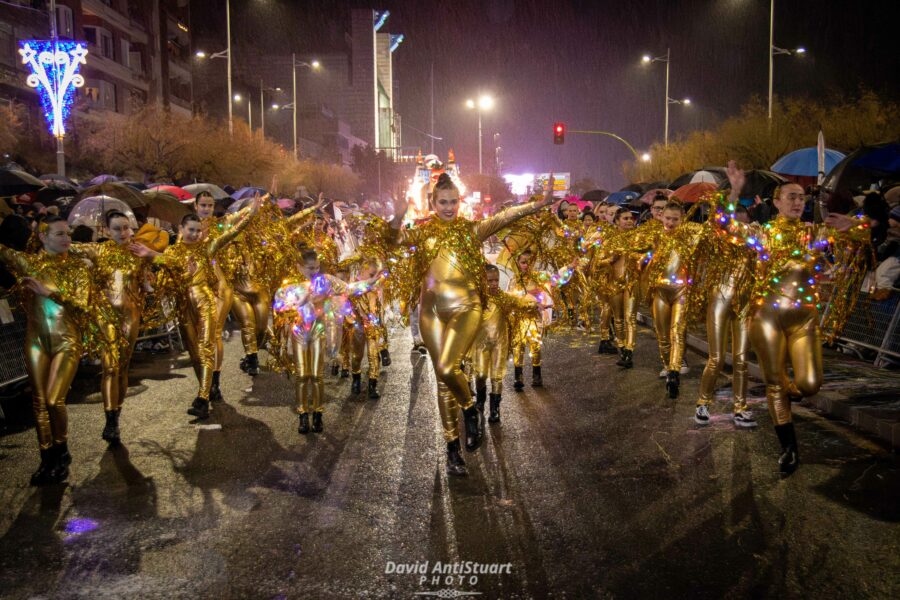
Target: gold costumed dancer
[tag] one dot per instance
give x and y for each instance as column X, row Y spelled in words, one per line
column 247, row 258
column 727, row 273
column 597, row 274
column 63, row 307
column 623, row 266
column 539, row 285
column 784, row 303
column 308, row 315
column 493, row 341
column 124, row 278
column 448, row 267
column 366, row 331
column 191, row 280
column 669, row 276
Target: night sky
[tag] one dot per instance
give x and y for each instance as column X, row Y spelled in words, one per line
column 579, row 62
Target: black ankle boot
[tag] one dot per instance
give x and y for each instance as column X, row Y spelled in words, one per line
column 455, row 463
column 111, row 431
column 480, row 394
column 495, row 409
column 252, row 365
column 304, row 423
column 48, row 463
column 385, row 357
column 790, row 458
column 373, row 389
column 536, row 379
column 317, row 422
column 199, row 409
column 673, row 381
column 519, row 383
column 53, row 469
column 606, row 347
column 215, row 393
column 62, row 454
column 345, row 373
column 243, row 364
column 629, row 359
column 473, row 438
column 621, row 361
column 356, row 385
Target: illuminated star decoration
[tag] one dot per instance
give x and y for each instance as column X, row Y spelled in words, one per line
column 54, row 73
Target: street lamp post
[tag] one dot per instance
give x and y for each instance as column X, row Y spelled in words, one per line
column 647, row 59
column 294, row 64
column 775, row 50
column 483, row 103
column 228, row 55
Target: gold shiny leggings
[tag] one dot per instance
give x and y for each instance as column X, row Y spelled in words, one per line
column 668, row 312
column 309, row 385
column 781, row 333
column 529, row 330
column 605, row 317
column 114, row 374
column 198, row 331
column 346, row 351
column 51, row 361
column 490, row 362
column 251, row 307
column 224, row 300
column 720, row 318
column 366, row 338
column 624, row 312
column 448, row 324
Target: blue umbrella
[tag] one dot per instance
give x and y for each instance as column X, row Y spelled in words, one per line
column 622, row 197
column 248, row 192
column 804, row 162
column 102, row 179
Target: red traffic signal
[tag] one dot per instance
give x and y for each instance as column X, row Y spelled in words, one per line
column 559, row 133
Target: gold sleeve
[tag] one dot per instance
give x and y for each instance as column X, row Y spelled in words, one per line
column 18, row 262
column 214, row 246
column 488, row 227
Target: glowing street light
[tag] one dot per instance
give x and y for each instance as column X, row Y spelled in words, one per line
column 645, row 157
column 647, row 59
column 484, row 103
column 237, row 97
column 200, row 54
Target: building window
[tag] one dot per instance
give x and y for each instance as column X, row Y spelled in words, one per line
column 65, row 25
column 102, row 39
column 100, row 94
column 7, row 45
column 126, row 53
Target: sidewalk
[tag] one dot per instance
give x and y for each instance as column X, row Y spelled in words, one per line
column 854, row 391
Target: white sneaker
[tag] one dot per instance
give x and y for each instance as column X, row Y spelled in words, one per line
column 744, row 419
column 664, row 373
column 685, row 369
column 701, row 415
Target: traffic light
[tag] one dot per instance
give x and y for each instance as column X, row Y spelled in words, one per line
column 559, row 133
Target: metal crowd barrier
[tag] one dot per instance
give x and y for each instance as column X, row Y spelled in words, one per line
column 12, row 343
column 874, row 325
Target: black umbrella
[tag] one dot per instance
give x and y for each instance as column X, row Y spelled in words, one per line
column 120, row 191
column 49, row 196
column 865, row 166
column 14, row 182
column 758, row 183
column 595, row 196
column 52, row 178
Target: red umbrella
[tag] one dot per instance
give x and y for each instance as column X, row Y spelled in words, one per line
column 694, row 191
column 176, row 191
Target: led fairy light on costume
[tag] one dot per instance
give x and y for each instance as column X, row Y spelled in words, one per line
column 54, row 68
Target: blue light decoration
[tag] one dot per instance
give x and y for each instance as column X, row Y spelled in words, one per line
column 54, row 74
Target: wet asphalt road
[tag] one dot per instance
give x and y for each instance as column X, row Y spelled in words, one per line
column 595, row 486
